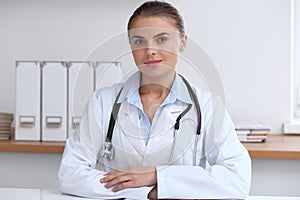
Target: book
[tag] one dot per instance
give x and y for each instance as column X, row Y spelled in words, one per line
column 4, row 137
column 252, row 131
column 6, row 120
column 252, row 138
column 5, row 132
column 5, row 128
column 252, row 126
column 6, row 116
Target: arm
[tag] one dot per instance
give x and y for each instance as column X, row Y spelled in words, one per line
column 229, row 172
column 228, row 175
column 78, row 174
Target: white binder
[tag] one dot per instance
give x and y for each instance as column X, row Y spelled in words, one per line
column 54, row 101
column 80, row 88
column 105, row 70
column 28, row 104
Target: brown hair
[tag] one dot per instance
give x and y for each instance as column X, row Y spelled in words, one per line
column 158, row 8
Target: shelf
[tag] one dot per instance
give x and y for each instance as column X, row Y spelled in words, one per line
column 276, row 147
column 32, row 147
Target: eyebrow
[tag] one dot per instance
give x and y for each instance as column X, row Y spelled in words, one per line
column 158, row 35
column 137, row 36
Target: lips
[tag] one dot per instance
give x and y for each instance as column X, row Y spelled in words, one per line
column 152, row 63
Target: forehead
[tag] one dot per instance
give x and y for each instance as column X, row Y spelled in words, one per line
column 153, row 25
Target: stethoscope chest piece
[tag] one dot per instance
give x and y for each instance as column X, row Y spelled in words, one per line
column 108, row 151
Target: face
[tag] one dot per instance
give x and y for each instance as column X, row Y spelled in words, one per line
column 155, row 44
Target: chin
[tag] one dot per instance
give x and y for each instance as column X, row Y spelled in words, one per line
column 158, row 72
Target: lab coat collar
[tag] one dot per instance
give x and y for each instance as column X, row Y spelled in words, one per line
column 179, row 89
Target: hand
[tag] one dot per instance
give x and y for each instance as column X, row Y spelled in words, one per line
column 131, row 177
column 153, row 193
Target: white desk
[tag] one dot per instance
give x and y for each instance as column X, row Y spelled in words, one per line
column 41, row 194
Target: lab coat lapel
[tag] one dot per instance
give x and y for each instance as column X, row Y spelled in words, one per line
column 160, row 144
column 128, row 124
column 164, row 123
column 162, row 148
column 185, row 136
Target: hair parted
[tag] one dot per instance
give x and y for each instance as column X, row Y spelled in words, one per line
column 158, row 8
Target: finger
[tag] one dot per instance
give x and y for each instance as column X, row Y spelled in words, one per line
column 117, row 180
column 129, row 181
column 111, row 175
column 124, row 185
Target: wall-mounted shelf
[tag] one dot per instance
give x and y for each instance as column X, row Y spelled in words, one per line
column 276, row 147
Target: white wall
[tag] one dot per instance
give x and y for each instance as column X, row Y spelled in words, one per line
column 296, row 59
column 248, row 40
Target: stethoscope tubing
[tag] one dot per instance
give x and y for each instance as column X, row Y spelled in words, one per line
column 108, row 152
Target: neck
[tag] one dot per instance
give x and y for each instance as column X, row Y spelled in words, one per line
column 158, row 86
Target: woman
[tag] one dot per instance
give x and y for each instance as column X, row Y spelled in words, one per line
column 155, row 155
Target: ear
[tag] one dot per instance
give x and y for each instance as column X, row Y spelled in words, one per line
column 183, row 43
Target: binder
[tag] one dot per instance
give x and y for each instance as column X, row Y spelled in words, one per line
column 54, row 101
column 80, row 88
column 104, row 71
column 28, row 104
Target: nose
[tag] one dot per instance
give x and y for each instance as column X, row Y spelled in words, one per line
column 151, row 51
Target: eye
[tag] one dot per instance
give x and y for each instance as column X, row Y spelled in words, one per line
column 139, row 42
column 162, row 39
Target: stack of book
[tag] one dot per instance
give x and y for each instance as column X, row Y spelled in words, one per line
column 252, row 131
column 5, row 125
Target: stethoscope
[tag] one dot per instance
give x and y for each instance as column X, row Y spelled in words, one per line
column 108, row 149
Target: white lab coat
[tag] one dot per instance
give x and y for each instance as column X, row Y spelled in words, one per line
column 223, row 168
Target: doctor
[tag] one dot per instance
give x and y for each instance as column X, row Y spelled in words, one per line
column 168, row 139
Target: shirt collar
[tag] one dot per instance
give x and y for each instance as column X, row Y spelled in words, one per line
column 130, row 89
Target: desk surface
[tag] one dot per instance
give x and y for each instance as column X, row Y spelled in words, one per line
column 39, row 194
column 276, row 147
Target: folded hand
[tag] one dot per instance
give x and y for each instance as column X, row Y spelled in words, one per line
column 131, row 177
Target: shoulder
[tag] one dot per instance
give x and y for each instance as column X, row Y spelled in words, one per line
column 112, row 91
column 206, row 98
column 107, row 93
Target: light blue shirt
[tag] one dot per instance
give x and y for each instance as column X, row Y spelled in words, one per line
column 130, row 92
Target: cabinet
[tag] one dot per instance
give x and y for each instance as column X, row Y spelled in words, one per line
column 80, row 88
column 51, row 95
column 28, row 105
column 54, row 101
